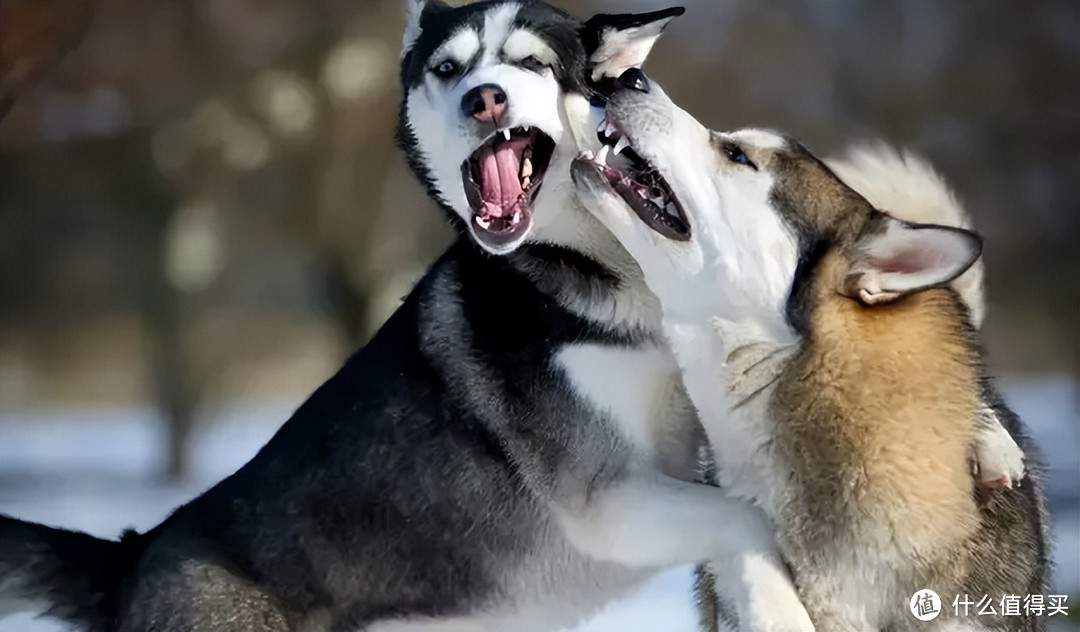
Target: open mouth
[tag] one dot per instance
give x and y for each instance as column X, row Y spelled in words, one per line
column 502, row 178
column 639, row 184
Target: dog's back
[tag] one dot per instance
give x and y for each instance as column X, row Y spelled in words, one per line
column 876, row 418
column 876, row 414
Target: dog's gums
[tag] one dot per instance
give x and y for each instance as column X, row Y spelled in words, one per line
column 638, row 183
column 501, row 180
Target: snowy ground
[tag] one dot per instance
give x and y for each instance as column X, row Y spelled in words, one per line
column 96, row 471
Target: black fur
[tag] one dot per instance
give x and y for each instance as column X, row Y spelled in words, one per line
column 78, row 574
column 414, row 482
column 401, row 456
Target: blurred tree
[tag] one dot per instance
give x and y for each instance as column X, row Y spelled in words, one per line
column 34, row 35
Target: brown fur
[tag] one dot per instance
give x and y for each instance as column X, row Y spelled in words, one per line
column 877, row 416
column 875, row 419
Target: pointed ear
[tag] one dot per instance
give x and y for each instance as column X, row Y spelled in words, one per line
column 414, row 11
column 616, row 42
column 893, row 258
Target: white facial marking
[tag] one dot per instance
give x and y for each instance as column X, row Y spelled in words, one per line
column 761, row 138
column 497, row 26
column 522, row 44
column 753, row 252
column 461, row 47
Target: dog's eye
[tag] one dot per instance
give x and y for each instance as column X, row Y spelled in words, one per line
column 737, row 155
column 532, row 63
column 447, row 69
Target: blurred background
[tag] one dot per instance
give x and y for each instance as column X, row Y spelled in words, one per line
column 202, row 211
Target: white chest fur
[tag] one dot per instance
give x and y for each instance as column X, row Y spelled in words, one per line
column 732, row 398
column 636, row 387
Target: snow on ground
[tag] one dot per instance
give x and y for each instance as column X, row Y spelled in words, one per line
column 98, row 471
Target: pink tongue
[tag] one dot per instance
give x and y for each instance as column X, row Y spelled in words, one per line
column 500, row 188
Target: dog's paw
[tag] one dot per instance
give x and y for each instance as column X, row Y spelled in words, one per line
column 773, row 604
column 999, row 461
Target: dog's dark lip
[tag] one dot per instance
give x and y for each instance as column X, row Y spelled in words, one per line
column 500, row 230
column 639, row 183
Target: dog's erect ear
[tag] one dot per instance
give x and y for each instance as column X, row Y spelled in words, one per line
column 615, row 42
column 892, row 258
column 414, row 10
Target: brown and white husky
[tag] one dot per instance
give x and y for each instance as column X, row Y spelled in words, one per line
column 836, row 370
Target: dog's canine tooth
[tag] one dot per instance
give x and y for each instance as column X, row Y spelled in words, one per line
column 620, row 145
column 601, row 156
column 526, row 168
column 525, row 183
column 506, row 134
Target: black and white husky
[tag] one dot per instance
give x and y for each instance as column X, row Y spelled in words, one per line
column 835, row 367
column 513, row 448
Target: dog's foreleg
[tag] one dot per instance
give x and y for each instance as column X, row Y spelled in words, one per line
column 658, row 521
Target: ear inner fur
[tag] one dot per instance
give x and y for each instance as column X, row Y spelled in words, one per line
column 908, row 264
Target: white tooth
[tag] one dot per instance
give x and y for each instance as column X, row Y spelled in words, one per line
column 506, row 134
column 525, row 183
column 601, row 156
column 516, row 219
column 621, row 145
column 527, row 127
column 526, row 168
column 658, row 201
column 484, row 222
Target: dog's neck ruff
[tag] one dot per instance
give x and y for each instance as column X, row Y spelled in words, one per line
column 576, row 261
column 588, row 288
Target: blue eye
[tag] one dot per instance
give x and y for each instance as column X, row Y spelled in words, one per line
column 737, row 155
column 446, row 69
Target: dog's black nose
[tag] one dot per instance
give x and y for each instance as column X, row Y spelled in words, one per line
column 484, row 103
column 634, row 79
